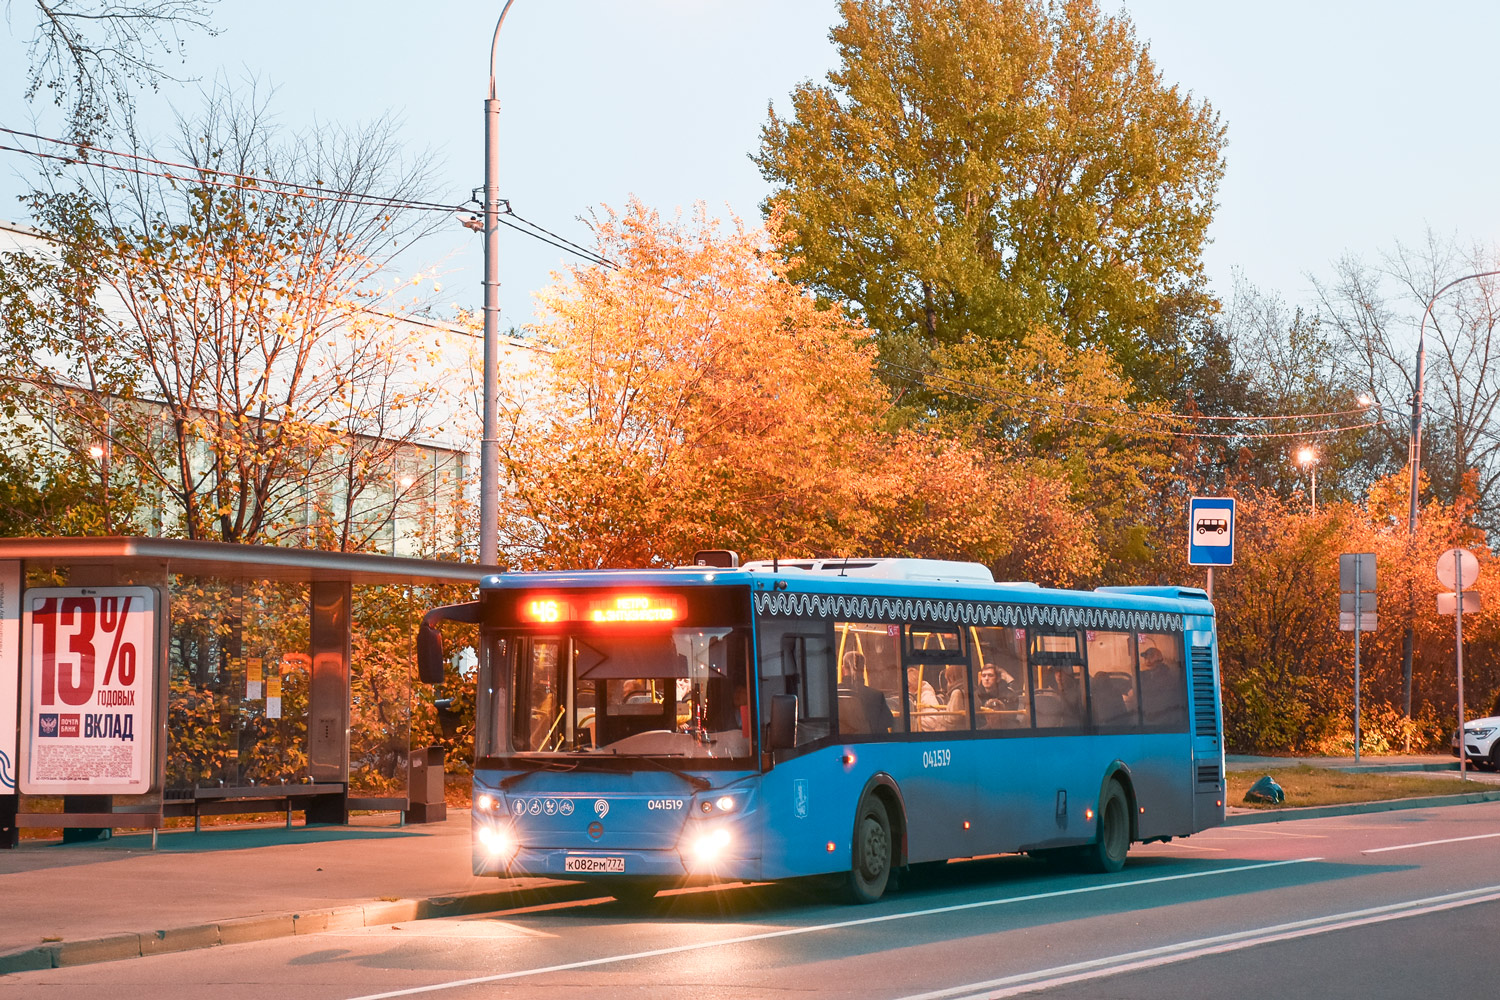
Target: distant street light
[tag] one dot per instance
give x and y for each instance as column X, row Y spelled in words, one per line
column 1307, row 457
column 489, row 447
column 100, row 454
column 1415, row 455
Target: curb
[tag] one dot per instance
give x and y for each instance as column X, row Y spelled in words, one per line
column 240, row 930
column 1357, row 808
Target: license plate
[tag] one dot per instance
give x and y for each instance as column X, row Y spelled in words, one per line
column 581, row 863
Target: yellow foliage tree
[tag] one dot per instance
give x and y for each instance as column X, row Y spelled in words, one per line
column 697, row 398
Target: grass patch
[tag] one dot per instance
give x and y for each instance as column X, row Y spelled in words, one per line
column 1318, row 786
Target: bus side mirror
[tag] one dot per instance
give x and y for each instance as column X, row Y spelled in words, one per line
column 783, row 735
column 430, row 658
column 447, row 717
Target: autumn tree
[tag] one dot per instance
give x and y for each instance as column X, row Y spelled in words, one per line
column 697, row 398
column 1297, row 392
column 91, row 55
column 982, row 168
column 1287, row 669
column 1374, row 309
column 694, row 399
column 219, row 331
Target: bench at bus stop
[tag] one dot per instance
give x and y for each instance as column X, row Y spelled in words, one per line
column 319, row 803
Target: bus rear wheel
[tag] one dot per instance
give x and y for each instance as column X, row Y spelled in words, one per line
column 1112, row 842
column 870, row 866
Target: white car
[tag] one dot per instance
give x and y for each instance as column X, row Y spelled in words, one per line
column 1481, row 742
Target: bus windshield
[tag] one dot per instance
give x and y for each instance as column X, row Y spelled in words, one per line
column 677, row 692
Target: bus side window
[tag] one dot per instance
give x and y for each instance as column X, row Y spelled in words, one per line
column 1000, row 697
column 869, row 678
column 795, row 659
column 1163, row 680
column 1112, row 688
column 1057, row 680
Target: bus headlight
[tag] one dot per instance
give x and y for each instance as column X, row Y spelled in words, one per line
column 720, row 804
column 709, row 846
column 499, row 843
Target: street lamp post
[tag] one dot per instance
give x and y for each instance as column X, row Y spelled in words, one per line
column 1307, row 457
column 100, row 454
column 489, row 448
column 1415, row 454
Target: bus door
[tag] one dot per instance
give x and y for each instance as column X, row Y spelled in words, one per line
column 1064, row 779
column 1204, row 716
column 937, row 779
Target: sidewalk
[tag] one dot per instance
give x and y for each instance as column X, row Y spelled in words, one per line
column 80, row 903
column 1404, row 762
column 83, row 903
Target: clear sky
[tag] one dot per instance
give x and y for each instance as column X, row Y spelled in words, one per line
column 1351, row 124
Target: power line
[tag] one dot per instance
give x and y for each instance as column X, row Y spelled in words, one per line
column 978, row 394
column 208, row 176
column 579, row 250
column 252, row 181
column 1019, row 394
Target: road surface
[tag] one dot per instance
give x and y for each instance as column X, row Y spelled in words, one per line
column 1370, row 906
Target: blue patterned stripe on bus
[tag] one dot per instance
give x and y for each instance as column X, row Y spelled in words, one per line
column 849, row 607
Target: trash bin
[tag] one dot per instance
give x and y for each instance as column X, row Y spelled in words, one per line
column 424, row 786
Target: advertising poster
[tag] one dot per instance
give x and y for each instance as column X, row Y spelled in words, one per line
column 10, row 671
column 88, row 695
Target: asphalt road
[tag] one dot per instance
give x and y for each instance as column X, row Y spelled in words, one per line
column 1381, row 905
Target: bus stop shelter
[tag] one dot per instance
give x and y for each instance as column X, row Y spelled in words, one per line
column 143, row 678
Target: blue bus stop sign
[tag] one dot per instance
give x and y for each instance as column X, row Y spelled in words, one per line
column 1211, row 531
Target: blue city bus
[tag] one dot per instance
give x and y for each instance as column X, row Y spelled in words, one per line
column 849, row 717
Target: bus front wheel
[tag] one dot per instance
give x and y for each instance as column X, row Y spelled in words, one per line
column 1112, row 842
column 870, row 867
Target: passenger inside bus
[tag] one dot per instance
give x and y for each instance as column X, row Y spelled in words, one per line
column 862, row 708
column 1163, row 687
column 922, row 700
column 989, row 693
column 955, row 698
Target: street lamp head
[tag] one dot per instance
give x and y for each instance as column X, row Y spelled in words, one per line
column 1366, row 400
column 1307, row 455
column 96, row 451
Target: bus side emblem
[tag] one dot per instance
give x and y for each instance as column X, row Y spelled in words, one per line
column 596, row 830
column 799, row 797
column 601, row 808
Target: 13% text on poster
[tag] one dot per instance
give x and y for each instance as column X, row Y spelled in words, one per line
column 88, row 690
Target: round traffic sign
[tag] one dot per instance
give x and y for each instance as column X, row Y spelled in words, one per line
column 1457, row 569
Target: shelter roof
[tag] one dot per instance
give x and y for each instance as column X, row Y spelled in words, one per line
column 227, row 559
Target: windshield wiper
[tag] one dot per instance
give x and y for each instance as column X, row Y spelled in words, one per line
column 533, row 764
column 701, row 784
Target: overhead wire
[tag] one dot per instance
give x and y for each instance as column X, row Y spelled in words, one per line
column 917, row 378
column 1129, row 411
column 297, row 188
column 233, row 180
column 210, row 176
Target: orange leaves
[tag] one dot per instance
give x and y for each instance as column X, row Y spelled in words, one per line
column 696, row 397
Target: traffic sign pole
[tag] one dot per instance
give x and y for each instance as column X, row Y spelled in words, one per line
column 1458, row 652
column 1357, row 603
column 1459, row 573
